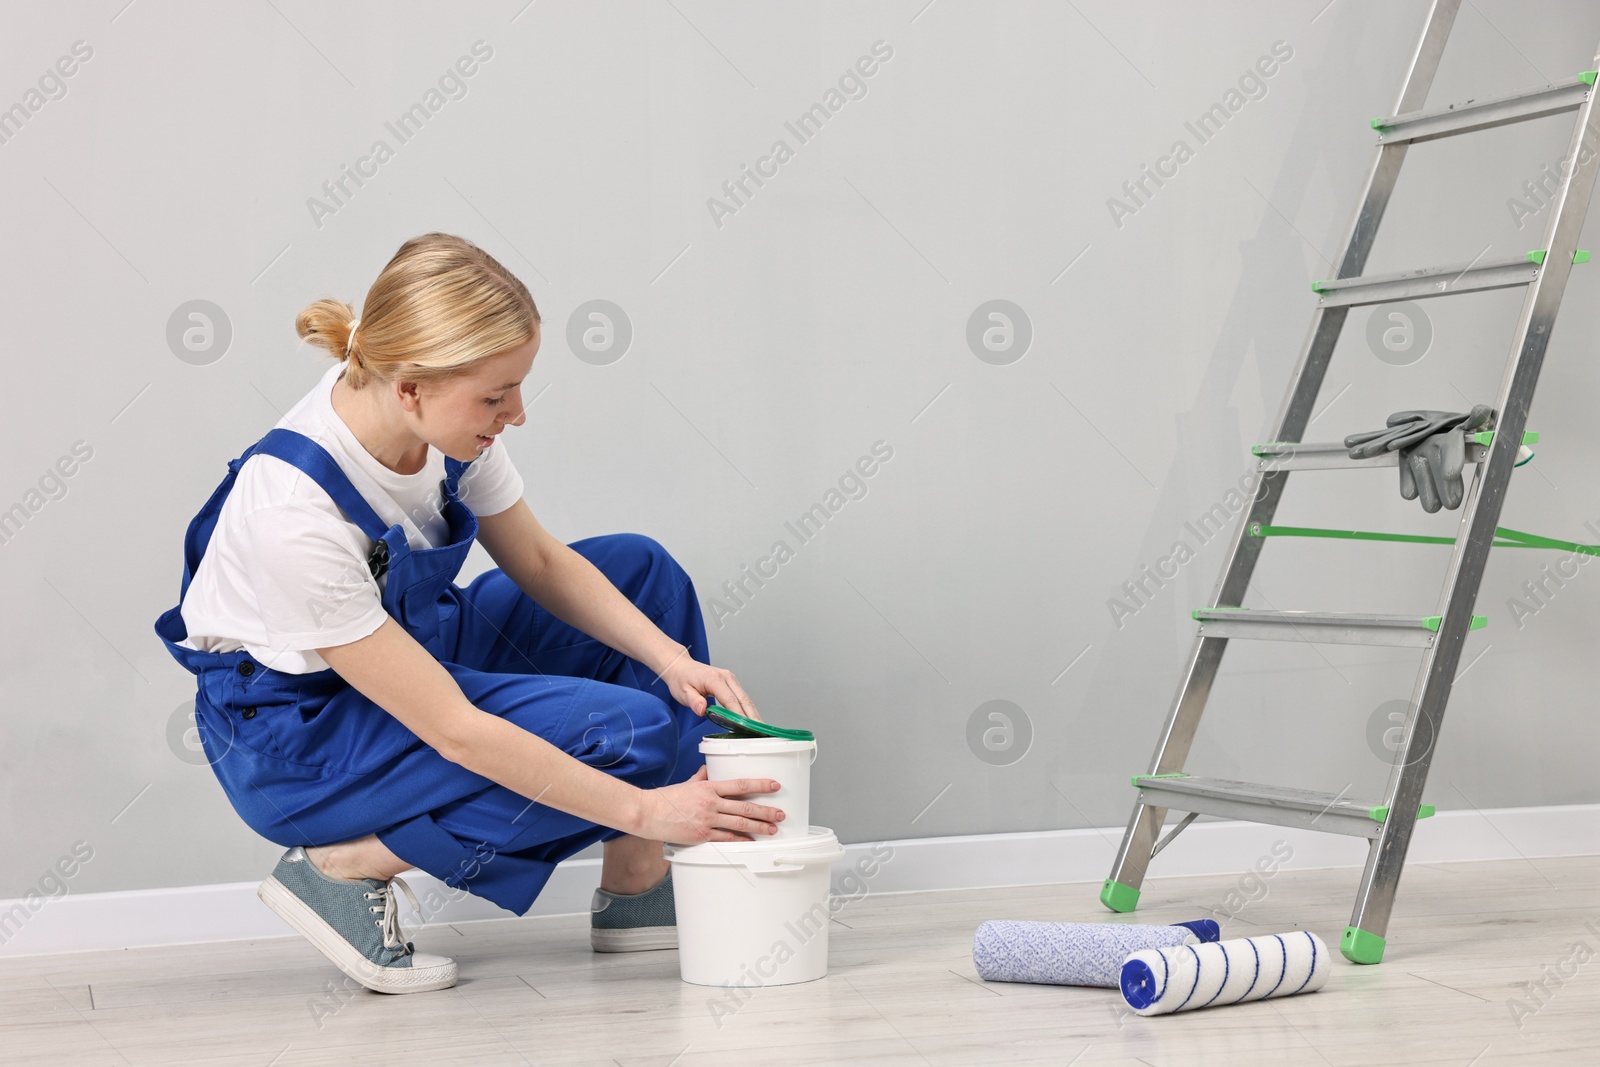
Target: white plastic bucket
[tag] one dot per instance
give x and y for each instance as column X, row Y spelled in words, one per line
column 786, row 762
column 753, row 913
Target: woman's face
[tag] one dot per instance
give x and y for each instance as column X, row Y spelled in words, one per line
column 462, row 417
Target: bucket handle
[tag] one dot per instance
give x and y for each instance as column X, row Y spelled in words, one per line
column 813, row 752
column 808, row 858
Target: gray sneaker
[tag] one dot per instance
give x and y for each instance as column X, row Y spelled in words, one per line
column 634, row 922
column 355, row 924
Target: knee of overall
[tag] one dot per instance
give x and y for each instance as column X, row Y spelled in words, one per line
column 639, row 566
column 630, row 734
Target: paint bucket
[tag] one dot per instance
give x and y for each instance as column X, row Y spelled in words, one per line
column 786, row 762
column 753, row 913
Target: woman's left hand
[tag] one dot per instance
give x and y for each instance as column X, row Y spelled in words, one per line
column 692, row 681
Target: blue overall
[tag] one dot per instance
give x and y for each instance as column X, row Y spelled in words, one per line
column 306, row 759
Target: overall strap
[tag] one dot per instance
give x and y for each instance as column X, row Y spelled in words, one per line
column 306, row 455
column 453, row 470
column 301, row 451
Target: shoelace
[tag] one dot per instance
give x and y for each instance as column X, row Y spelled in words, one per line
column 390, row 923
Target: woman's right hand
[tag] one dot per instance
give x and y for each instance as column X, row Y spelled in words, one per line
column 699, row 810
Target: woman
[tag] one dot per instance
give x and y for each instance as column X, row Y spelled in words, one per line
column 359, row 707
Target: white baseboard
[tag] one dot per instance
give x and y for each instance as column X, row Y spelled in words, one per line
column 82, row 922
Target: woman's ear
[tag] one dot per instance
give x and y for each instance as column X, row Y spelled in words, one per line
column 409, row 394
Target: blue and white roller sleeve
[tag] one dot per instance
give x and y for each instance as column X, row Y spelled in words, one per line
column 1006, row 950
column 1158, row 981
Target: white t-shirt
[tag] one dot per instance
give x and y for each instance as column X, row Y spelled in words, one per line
column 286, row 573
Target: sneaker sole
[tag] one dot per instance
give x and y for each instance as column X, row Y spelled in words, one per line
column 637, row 939
column 315, row 929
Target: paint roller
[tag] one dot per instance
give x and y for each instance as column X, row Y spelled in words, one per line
column 1091, row 954
column 1162, row 980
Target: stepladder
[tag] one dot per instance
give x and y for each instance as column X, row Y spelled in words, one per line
column 1387, row 822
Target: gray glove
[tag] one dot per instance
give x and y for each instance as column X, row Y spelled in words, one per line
column 1406, row 428
column 1432, row 471
column 1432, row 449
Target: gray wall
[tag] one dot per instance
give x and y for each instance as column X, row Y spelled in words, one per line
column 771, row 348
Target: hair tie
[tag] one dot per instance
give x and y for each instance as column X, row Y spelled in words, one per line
column 351, row 339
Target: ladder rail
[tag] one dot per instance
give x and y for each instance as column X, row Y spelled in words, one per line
column 1183, row 718
column 1480, row 516
column 1413, row 94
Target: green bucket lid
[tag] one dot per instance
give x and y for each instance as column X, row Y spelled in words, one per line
column 739, row 726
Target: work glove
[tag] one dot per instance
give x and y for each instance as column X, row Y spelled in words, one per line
column 1404, row 429
column 1432, row 448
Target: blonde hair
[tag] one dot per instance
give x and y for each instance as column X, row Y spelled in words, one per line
column 440, row 305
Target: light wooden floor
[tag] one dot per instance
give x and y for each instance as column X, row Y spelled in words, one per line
column 901, row 990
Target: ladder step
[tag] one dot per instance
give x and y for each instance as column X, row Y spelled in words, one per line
column 1484, row 114
column 1324, row 627
column 1431, row 281
column 1472, row 115
column 1332, row 455
column 1332, row 813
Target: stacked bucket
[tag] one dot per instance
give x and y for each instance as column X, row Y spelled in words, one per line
column 755, row 913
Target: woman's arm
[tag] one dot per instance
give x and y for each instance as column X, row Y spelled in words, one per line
column 392, row 670
column 573, row 590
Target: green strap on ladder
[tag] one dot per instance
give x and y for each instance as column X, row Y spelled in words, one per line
column 1504, row 538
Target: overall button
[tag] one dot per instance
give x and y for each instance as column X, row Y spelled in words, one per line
column 247, row 668
column 247, row 713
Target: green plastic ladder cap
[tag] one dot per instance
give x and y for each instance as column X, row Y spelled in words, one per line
column 1146, row 777
column 1486, row 437
column 1119, row 897
column 1359, row 946
column 1381, row 812
column 1580, row 255
column 1316, row 287
column 1587, row 77
column 1377, row 124
column 740, row 727
column 1432, row 622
